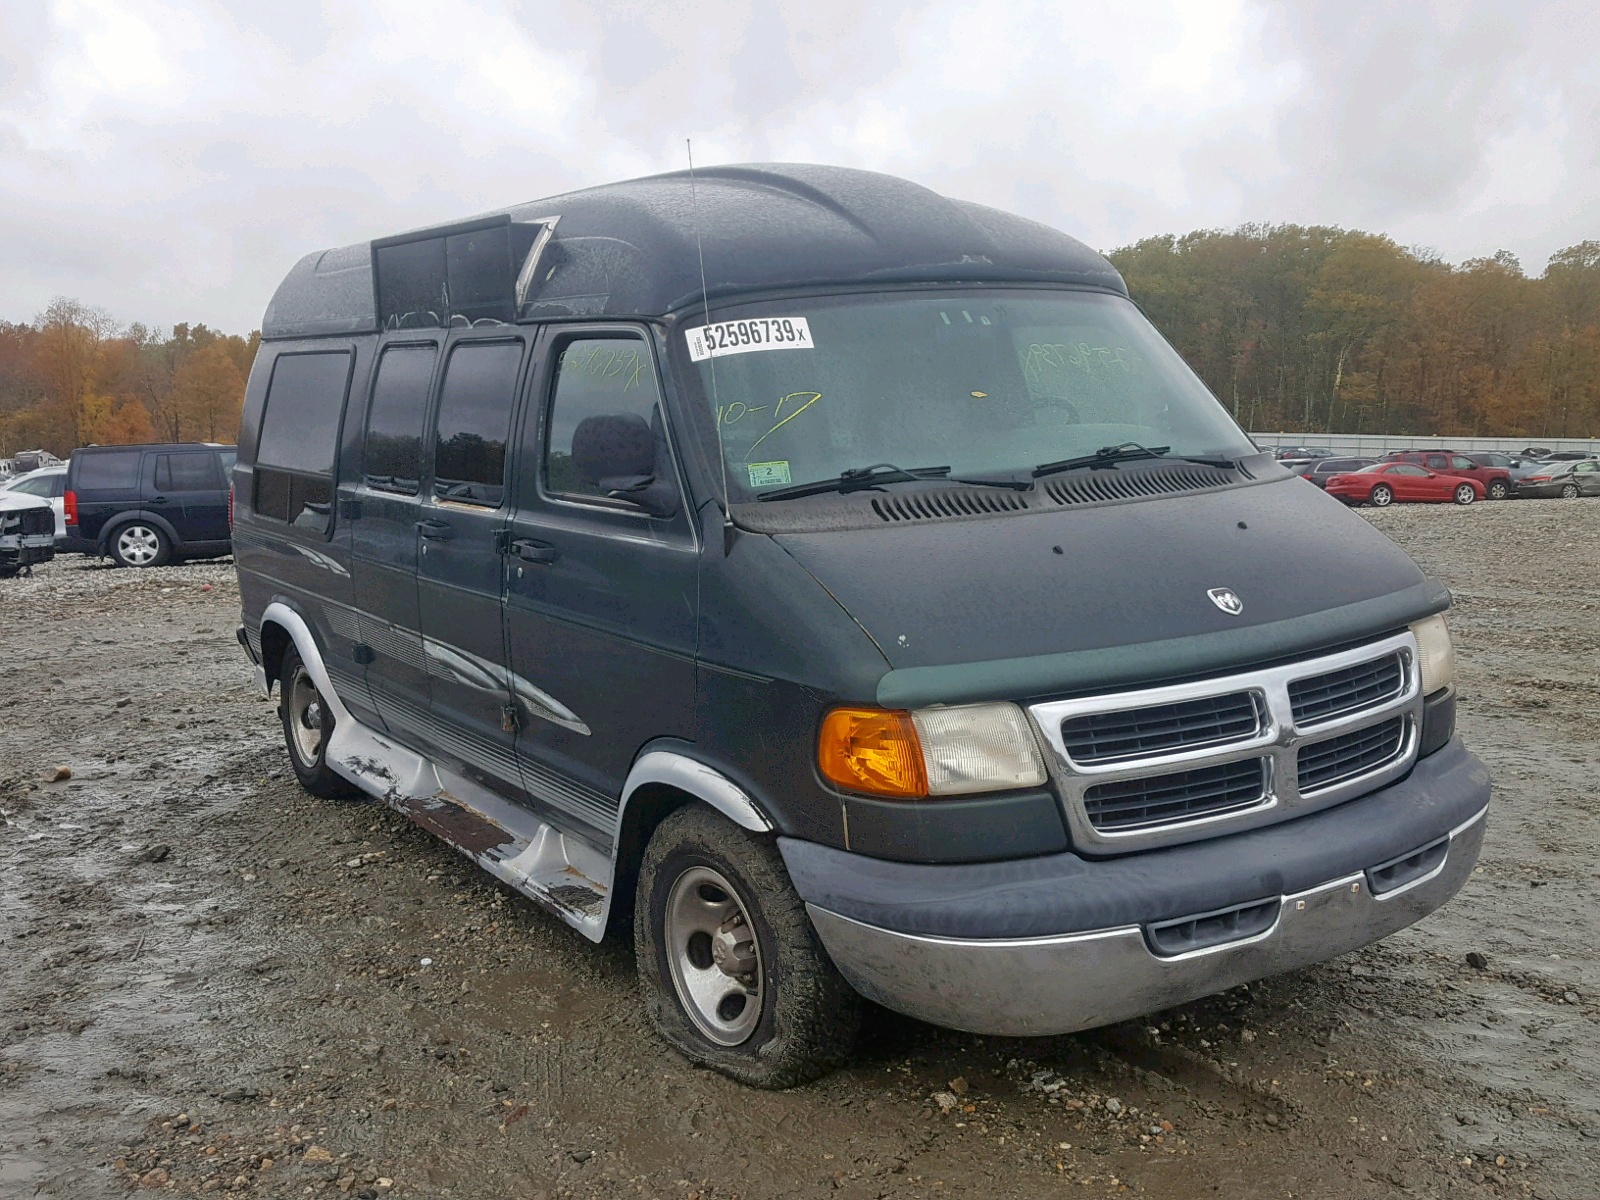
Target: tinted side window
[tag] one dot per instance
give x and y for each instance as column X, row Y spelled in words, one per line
column 604, row 378
column 299, row 438
column 300, row 427
column 469, row 455
column 1460, row 463
column 116, row 469
column 393, row 455
column 34, row 487
column 187, row 473
column 1435, row 460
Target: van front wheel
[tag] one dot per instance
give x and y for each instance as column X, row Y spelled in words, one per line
column 307, row 726
column 733, row 974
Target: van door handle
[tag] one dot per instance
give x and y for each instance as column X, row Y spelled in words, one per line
column 529, row 550
column 436, row 531
column 158, row 499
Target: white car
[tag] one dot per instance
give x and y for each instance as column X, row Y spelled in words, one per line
column 48, row 483
column 27, row 533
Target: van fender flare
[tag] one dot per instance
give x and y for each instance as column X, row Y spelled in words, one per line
column 279, row 613
column 127, row 517
column 697, row 779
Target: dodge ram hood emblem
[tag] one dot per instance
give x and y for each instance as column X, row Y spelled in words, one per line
column 1227, row 601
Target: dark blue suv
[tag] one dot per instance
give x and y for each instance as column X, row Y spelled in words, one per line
column 143, row 506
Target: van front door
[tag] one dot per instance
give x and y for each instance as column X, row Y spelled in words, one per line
column 459, row 564
column 600, row 595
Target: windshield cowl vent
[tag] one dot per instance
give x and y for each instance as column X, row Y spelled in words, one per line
column 1101, row 487
column 946, row 504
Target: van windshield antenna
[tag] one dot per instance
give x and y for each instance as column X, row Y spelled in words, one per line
column 711, row 362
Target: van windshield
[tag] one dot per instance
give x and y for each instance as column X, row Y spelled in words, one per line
column 986, row 384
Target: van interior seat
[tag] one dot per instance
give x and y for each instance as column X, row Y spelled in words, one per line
column 613, row 447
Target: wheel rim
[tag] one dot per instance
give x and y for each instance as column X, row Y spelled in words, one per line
column 1569, row 492
column 138, row 545
column 1464, row 495
column 714, row 956
column 303, row 707
column 1381, row 496
column 1497, row 492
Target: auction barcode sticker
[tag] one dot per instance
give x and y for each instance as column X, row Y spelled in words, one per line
column 741, row 337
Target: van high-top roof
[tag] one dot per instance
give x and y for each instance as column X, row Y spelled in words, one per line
column 629, row 249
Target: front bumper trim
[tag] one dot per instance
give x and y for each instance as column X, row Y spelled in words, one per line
column 1050, row 985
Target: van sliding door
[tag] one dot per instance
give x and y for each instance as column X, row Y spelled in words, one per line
column 459, row 524
column 383, row 535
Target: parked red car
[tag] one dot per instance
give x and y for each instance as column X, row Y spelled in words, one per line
column 1497, row 483
column 1388, row 482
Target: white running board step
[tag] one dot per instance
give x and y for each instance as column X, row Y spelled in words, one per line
column 560, row 873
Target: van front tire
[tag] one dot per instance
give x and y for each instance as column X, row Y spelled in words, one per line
column 307, row 726
column 733, row 974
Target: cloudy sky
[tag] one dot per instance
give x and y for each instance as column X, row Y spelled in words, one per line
column 169, row 161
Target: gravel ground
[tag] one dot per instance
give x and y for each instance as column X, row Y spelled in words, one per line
column 210, row 981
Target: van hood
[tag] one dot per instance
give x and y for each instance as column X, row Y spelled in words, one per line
column 1067, row 594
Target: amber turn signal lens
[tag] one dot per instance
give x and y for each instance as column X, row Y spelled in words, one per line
column 872, row 750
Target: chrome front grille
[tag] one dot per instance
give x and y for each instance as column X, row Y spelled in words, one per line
column 1133, row 733
column 1349, row 689
column 1170, row 764
column 1155, row 800
column 1350, row 755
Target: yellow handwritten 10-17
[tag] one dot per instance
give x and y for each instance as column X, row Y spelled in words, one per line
column 732, row 414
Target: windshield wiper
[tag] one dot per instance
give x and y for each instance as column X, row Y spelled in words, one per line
column 856, row 478
column 1125, row 452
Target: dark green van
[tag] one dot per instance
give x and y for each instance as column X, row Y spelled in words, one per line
column 846, row 590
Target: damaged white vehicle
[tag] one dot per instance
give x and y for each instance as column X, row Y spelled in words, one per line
column 27, row 533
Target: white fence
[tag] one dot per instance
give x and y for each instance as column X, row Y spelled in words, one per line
column 1371, row 445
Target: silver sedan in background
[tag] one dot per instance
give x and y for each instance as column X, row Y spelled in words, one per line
column 1568, row 480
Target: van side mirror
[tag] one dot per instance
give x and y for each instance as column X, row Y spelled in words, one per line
column 616, row 453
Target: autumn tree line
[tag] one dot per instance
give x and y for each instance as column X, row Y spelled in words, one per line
column 1304, row 328
column 1316, row 329
column 74, row 377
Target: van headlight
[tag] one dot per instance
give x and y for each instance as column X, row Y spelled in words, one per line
column 1436, row 656
column 955, row 751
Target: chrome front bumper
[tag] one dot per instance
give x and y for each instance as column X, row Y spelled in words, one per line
column 1050, row 985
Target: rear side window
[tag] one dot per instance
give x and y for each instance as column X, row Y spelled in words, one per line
column 299, row 438
column 187, row 473
column 393, row 457
column 469, row 457
column 603, row 378
column 300, row 427
column 113, row 469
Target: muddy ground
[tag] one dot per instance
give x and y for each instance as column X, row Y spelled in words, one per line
column 210, row 981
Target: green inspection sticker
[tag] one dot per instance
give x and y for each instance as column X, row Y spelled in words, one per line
column 769, row 474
